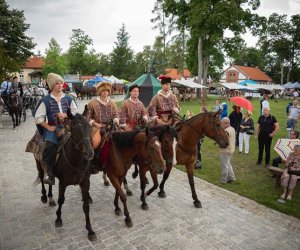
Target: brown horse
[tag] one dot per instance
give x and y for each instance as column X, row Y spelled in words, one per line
column 190, row 132
column 73, row 166
column 124, row 146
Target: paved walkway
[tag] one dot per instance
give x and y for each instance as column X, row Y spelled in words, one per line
column 226, row 221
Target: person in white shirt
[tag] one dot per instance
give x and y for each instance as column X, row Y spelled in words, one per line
column 265, row 103
column 293, row 115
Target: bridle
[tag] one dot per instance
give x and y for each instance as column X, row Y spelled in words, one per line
column 69, row 164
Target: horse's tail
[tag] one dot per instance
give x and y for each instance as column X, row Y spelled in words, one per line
column 37, row 181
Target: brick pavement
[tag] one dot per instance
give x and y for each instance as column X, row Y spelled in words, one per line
column 226, row 221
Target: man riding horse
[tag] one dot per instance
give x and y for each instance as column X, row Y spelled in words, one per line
column 132, row 110
column 49, row 116
column 101, row 111
column 164, row 103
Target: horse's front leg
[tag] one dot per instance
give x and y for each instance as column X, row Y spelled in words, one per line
column 116, row 203
column 143, row 170
column 161, row 192
column 117, row 182
column 104, row 176
column 128, row 191
column 85, row 187
column 50, row 196
column 13, row 120
column 190, row 174
column 61, row 200
column 155, row 182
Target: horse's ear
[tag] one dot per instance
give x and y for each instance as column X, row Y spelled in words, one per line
column 69, row 114
column 217, row 112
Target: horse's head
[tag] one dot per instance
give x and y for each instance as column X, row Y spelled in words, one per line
column 153, row 148
column 214, row 130
column 80, row 134
column 168, row 137
column 14, row 100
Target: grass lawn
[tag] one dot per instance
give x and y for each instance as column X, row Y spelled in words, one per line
column 253, row 182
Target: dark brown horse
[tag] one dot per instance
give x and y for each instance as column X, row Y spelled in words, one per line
column 72, row 166
column 124, row 146
column 190, row 132
column 15, row 107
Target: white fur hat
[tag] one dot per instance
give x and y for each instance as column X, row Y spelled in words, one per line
column 52, row 79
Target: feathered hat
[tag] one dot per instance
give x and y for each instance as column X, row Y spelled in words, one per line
column 164, row 79
column 103, row 86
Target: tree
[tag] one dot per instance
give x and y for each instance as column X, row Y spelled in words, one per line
column 15, row 46
column 54, row 60
column 122, row 56
column 78, row 53
column 207, row 21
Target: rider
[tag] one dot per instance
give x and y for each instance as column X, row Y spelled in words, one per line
column 5, row 90
column 163, row 103
column 52, row 107
column 132, row 110
column 99, row 112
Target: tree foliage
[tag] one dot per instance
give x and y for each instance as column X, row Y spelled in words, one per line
column 15, row 45
column 121, row 58
column 78, row 54
column 54, row 60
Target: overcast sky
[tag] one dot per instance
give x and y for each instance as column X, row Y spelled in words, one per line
column 102, row 19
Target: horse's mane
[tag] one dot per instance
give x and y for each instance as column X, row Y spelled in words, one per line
column 124, row 139
column 160, row 130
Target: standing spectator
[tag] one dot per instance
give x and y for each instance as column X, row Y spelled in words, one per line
column 227, row 175
column 294, row 134
column 266, row 129
column 224, row 110
column 288, row 182
column 293, row 115
column 265, row 103
column 244, row 136
column 218, row 106
column 235, row 121
column 295, row 94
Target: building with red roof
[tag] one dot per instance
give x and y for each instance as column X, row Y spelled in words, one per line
column 237, row 74
column 32, row 70
column 175, row 74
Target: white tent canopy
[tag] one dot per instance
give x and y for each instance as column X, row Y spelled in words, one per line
column 189, row 83
column 232, row 85
column 114, row 79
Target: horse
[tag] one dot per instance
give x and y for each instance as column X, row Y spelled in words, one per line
column 73, row 166
column 168, row 138
column 124, row 146
column 189, row 133
column 15, row 107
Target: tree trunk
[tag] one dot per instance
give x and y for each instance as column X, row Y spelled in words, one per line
column 281, row 71
column 200, row 67
column 288, row 73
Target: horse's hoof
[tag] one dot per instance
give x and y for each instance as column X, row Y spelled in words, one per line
column 128, row 222
column 106, row 183
column 144, row 207
column 52, row 204
column 162, row 194
column 129, row 193
column 92, row 236
column 58, row 223
column 44, row 199
column 197, row 204
column 118, row 211
column 91, row 200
